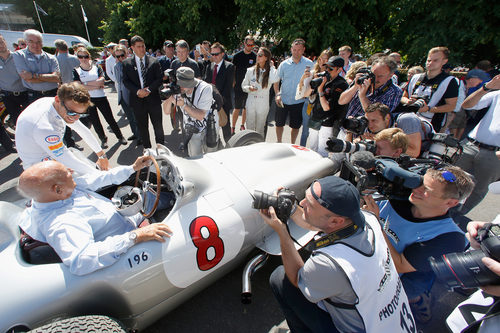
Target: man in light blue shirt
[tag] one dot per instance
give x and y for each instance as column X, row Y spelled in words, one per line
column 66, row 61
column 38, row 70
column 82, row 226
column 290, row 71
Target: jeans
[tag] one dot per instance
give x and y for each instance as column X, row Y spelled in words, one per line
column 305, row 127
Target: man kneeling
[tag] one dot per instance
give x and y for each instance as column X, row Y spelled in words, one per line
column 350, row 283
column 82, row 226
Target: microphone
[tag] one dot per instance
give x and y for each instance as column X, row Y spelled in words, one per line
column 363, row 159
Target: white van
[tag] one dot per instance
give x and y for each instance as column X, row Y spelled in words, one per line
column 48, row 39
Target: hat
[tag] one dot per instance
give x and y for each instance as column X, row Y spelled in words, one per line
column 111, row 45
column 185, row 77
column 335, row 61
column 340, row 197
column 477, row 73
column 168, row 43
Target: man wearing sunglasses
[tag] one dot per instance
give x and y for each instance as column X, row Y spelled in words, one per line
column 41, row 126
column 349, row 283
column 221, row 73
column 421, row 227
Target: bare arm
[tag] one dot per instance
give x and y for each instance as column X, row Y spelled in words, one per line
column 474, row 98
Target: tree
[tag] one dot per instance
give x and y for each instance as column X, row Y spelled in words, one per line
column 155, row 21
column 470, row 29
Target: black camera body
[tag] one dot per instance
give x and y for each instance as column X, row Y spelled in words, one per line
column 282, row 203
column 367, row 74
column 315, row 83
column 356, row 125
column 172, row 88
column 466, row 270
column 443, row 147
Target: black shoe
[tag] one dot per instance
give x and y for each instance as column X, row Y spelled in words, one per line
column 132, row 138
column 11, row 150
column 76, row 147
column 122, row 141
column 104, row 143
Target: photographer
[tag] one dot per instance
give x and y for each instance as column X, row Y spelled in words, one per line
column 435, row 90
column 417, row 130
column 326, row 112
column 326, row 293
column 195, row 102
column 372, row 86
column 391, row 142
column 421, row 227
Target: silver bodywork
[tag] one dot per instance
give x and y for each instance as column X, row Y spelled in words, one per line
column 153, row 278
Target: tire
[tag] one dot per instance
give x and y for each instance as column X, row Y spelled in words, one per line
column 83, row 324
column 244, row 138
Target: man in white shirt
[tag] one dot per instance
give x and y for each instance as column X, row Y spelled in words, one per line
column 41, row 126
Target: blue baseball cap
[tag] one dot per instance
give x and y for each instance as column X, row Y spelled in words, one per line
column 340, row 197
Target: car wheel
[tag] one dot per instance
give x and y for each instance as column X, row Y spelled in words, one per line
column 244, row 138
column 83, row 324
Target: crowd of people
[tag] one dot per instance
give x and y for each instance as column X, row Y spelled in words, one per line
column 332, row 97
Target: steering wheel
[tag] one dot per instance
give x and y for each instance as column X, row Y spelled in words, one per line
column 147, row 187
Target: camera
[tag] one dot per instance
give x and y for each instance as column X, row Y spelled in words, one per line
column 443, row 147
column 282, row 203
column 387, row 178
column 315, row 83
column 340, row 146
column 367, row 74
column 466, row 270
column 172, row 87
column 356, row 125
column 414, row 107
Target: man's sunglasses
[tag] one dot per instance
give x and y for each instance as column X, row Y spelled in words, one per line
column 120, row 55
column 86, row 56
column 450, row 178
column 215, row 54
column 72, row 113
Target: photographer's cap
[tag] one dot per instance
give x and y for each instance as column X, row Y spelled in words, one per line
column 340, row 197
column 477, row 73
column 335, row 61
column 168, row 43
column 185, row 77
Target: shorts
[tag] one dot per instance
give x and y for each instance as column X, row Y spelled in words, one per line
column 460, row 119
column 240, row 99
column 295, row 111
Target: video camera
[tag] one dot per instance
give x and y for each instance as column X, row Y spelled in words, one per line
column 282, row 203
column 315, row 83
column 335, row 145
column 367, row 74
column 356, row 125
column 387, row 177
column 466, row 269
column 172, row 87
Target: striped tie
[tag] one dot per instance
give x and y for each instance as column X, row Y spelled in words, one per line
column 143, row 72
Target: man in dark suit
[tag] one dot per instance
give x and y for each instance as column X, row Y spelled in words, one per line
column 221, row 73
column 142, row 76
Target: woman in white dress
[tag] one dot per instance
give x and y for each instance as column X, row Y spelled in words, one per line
column 257, row 82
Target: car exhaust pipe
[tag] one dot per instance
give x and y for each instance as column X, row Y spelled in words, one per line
column 251, row 267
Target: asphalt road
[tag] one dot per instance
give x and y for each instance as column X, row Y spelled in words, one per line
column 218, row 308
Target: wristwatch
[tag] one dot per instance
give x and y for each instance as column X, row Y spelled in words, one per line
column 321, row 94
column 103, row 156
column 487, row 89
column 132, row 236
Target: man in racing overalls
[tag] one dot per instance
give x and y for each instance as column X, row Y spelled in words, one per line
column 41, row 126
column 350, row 283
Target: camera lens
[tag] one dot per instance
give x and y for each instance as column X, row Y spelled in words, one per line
column 263, row 200
column 463, row 270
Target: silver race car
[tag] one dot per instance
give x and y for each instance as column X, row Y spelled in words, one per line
column 214, row 228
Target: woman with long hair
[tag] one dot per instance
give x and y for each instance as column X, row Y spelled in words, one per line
column 92, row 77
column 257, row 82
